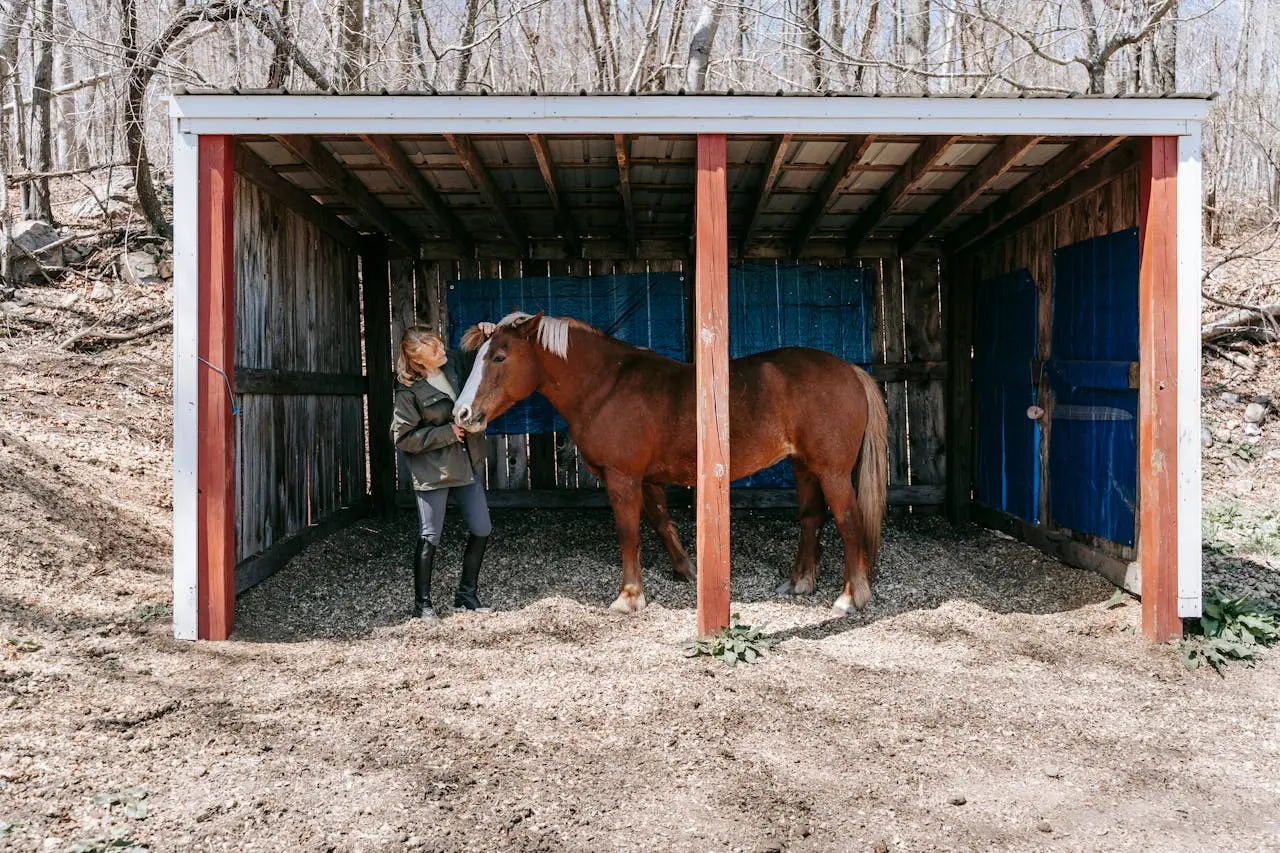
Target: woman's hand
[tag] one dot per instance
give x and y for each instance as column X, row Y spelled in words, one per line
column 459, row 432
column 486, row 328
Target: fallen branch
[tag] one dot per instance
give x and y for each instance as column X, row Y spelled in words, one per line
column 1245, row 321
column 28, row 177
column 1242, row 361
column 95, row 334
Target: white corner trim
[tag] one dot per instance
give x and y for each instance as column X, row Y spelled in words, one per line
column 1189, row 272
column 186, row 308
column 609, row 114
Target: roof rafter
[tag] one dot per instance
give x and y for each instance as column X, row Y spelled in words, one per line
column 920, row 162
column 398, row 163
column 1048, row 178
column 470, row 159
column 253, row 168
column 852, row 152
column 777, row 155
column 543, row 156
column 621, row 153
column 349, row 188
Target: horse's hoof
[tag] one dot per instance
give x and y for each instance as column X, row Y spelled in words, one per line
column 861, row 594
column 626, row 603
column 684, row 572
column 805, row 586
column 785, row 588
column 843, row 607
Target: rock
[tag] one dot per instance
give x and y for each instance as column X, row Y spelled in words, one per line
column 104, row 200
column 1252, row 429
column 1243, row 487
column 165, row 268
column 1230, row 398
column 101, row 292
column 1044, row 826
column 1206, row 437
column 1222, row 434
column 139, row 269
column 957, row 800
column 1254, row 413
column 29, row 252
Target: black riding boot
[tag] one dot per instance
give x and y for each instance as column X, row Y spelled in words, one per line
column 471, row 560
column 424, row 559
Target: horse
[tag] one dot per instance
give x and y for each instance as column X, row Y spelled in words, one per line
column 632, row 414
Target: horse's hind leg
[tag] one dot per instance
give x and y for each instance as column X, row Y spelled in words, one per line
column 626, row 498
column 838, row 489
column 655, row 510
column 813, row 514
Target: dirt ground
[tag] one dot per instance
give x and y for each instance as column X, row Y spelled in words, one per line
column 987, row 699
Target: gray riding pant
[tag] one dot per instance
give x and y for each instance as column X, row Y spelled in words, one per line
column 471, row 501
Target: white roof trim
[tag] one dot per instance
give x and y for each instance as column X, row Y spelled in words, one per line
column 608, row 114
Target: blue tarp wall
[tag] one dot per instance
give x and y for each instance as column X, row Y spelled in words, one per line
column 770, row 306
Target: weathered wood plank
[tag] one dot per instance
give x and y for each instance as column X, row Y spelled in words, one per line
column 892, row 341
column 958, row 324
column 925, row 342
column 250, row 380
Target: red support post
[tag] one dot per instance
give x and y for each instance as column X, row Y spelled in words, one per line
column 711, row 359
column 1158, row 388
column 215, row 467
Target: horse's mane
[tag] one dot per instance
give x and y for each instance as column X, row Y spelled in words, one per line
column 553, row 332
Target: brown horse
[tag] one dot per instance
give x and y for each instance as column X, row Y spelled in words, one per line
column 632, row 414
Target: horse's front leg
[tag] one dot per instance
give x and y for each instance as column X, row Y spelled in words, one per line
column 655, row 510
column 626, row 498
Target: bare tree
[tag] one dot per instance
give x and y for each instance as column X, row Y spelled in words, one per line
column 701, row 40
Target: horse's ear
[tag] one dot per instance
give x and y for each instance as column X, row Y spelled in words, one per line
column 527, row 323
column 472, row 339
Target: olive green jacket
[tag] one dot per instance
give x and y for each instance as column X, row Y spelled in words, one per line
column 421, row 426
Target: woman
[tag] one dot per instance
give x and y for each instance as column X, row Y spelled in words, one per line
column 442, row 457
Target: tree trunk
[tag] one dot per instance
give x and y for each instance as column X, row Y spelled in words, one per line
column 351, row 42
column 278, row 72
column 811, row 26
column 468, row 36
column 1167, row 52
column 864, row 49
column 35, row 194
column 701, row 40
column 916, row 43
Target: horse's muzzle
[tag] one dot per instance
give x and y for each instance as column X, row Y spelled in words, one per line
column 469, row 420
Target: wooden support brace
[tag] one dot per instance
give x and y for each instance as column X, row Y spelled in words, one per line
column 777, row 156
column 543, row 155
column 377, row 342
column 1158, row 391
column 836, row 175
column 215, row 468
column 921, row 161
column 711, row 359
column 398, row 163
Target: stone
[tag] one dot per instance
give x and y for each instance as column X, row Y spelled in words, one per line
column 164, row 267
column 1230, row 397
column 1254, row 413
column 1206, row 437
column 104, row 201
column 140, row 269
column 1222, row 434
column 957, row 800
column 29, row 251
column 1044, row 826
column 101, row 292
column 1252, row 429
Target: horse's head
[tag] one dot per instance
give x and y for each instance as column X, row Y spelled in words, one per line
column 506, row 370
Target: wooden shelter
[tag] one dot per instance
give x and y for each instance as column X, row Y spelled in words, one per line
column 1022, row 274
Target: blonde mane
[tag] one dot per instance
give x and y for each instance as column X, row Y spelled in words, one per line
column 553, row 332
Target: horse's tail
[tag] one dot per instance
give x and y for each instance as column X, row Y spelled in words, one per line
column 873, row 465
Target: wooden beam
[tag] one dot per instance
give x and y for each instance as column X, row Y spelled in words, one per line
column 215, row 467
column 777, row 155
column 1079, row 185
column 682, row 497
column 547, row 168
column 975, row 183
column 474, row 166
column 1158, row 391
column 711, row 359
column 409, row 176
column 378, row 360
column 254, row 570
column 621, row 152
column 852, row 152
column 1049, row 177
column 920, row 162
column 253, row 168
column 284, row 382
column 957, row 321
column 349, row 188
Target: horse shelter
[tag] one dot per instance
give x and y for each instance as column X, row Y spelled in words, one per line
column 1021, row 274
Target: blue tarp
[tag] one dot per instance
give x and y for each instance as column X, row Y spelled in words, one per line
column 1008, row 442
column 1093, row 456
column 770, row 306
column 646, row 309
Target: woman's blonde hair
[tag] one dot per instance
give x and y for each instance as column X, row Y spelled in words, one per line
column 412, row 342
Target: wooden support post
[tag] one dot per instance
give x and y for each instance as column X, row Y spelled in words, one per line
column 711, row 359
column 215, row 467
column 1158, row 388
column 377, row 351
column 958, row 323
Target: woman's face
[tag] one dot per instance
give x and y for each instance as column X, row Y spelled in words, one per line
column 432, row 354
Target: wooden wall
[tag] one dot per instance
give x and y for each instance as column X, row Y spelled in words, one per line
column 1110, row 207
column 908, row 350
column 300, row 433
